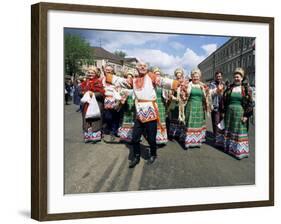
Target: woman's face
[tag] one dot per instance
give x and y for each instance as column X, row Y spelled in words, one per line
column 157, row 73
column 237, row 78
column 91, row 74
column 179, row 75
column 195, row 78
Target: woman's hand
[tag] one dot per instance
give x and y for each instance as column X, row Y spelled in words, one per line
column 91, row 94
column 183, row 83
column 244, row 119
column 220, row 87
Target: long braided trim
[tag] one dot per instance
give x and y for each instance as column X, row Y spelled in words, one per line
column 182, row 104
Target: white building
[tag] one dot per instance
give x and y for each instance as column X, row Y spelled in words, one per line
column 103, row 57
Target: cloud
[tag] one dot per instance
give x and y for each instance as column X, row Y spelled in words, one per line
column 191, row 59
column 209, row 48
column 151, row 47
column 167, row 62
column 112, row 41
column 176, row 45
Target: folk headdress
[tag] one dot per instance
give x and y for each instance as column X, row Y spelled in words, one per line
column 179, row 70
column 92, row 70
column 95, row 83
column 196, row 71
column 156, row 69
column 239, row 71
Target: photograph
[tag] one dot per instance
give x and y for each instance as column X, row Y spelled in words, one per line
column 140, row 111
column 154, row 111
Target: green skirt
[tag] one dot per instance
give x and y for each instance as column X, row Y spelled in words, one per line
column 125, row 132
column 161, row 136
column 195, row 124
column 234, row 138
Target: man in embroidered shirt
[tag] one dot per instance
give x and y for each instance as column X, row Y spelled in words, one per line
column 144, row 87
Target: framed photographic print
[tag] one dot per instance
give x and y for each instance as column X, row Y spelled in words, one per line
column 139, row 111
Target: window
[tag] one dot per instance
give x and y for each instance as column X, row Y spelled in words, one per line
column 243, row 61
column 244, row 43
column 247, row 42
column 249, row 60
column 239, row 44
column 250, row 42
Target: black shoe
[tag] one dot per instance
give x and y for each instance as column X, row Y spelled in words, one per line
column 134, row 162
column 112, row 138
column 151, row 159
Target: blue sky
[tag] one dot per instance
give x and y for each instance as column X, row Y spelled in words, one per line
column 167, row 51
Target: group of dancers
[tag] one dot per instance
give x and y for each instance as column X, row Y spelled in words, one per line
column 146, row 103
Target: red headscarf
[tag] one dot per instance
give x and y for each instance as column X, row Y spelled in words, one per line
column 95, row 85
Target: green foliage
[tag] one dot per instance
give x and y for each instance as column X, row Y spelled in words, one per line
column 121, row 54
column 77, row 51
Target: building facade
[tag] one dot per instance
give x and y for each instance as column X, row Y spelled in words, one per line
column 236, row 52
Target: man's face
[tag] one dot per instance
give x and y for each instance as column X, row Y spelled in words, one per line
column 218, row 77
column 142, row 68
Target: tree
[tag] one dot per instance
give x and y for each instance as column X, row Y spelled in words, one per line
column 77, row 51
column 121, row 54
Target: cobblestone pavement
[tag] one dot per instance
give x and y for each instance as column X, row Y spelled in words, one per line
column 103, row 167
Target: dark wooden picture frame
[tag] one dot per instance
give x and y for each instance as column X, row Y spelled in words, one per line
column 39, row 106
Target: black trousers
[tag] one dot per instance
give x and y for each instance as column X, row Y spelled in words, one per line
column 112, row 119
column 150, row 128
column 216, row 119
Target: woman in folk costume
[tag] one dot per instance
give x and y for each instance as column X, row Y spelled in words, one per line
column 111, row 107
column 237, row 107
column 92, row 87
column 147, row 114
column 175, row 121
column 161, row 136
column 125, row 132
column 198, row 102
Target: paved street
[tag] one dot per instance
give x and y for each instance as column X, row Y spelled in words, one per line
column 103, row 167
